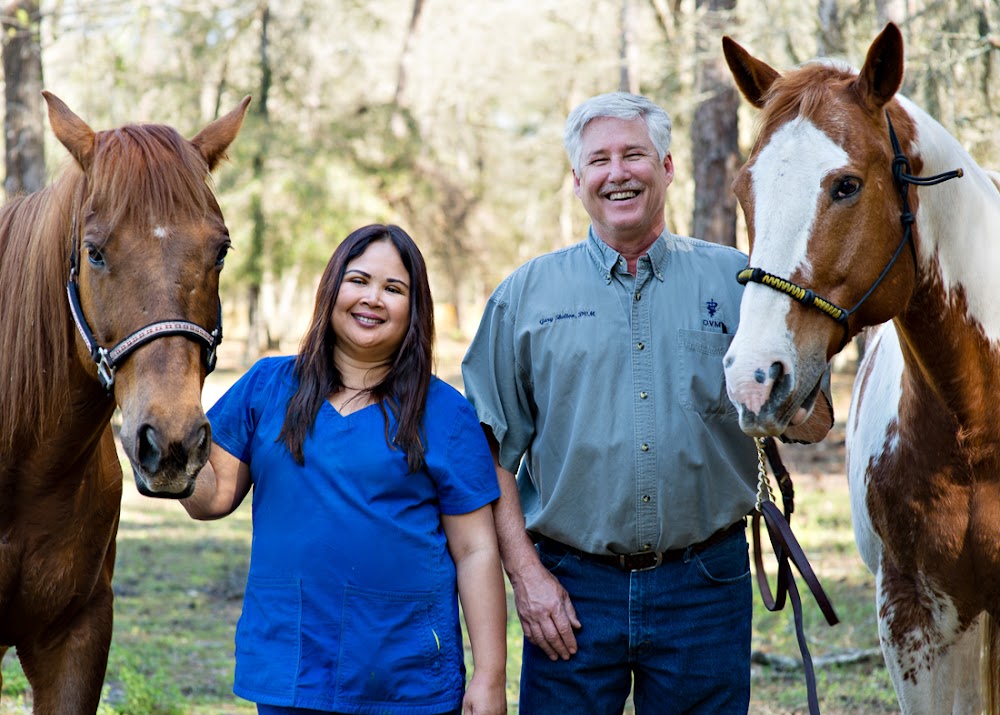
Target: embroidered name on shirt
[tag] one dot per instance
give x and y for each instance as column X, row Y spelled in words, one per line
column 568, row 316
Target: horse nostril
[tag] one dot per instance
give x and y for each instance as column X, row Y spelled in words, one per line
column 776, row 371
column 773, row 374
column 148, row 452
column 202, row 442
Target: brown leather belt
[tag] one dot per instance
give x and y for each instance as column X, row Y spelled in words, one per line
column 646, row 560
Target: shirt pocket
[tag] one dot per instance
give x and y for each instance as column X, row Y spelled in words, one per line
column 701, row 379
column 267, row 636
column 397, row 646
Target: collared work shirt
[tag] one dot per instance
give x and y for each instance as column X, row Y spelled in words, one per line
column 606, row 394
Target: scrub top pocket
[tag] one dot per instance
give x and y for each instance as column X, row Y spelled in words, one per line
column 267, row 636
column 393, row 642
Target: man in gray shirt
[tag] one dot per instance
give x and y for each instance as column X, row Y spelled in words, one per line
column 597, row 375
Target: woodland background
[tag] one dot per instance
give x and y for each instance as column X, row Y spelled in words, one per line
column 444, row 116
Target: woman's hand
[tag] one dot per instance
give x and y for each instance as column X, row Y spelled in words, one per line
column 486, row 695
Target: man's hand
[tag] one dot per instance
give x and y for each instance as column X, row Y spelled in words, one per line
column 547, row 615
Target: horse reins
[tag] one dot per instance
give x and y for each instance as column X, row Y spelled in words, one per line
column 786, row 549
column 903, row 178
column 108, row 361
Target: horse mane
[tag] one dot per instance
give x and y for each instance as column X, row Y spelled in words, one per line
column 144, row 171
column 138, row 173
column 34, row 332
column 806, row 91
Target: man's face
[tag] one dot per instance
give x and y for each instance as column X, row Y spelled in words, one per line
column 622, row 182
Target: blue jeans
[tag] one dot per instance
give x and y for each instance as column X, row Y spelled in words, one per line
column 682, row 630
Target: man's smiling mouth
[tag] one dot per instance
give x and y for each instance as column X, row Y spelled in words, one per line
column 623, row 195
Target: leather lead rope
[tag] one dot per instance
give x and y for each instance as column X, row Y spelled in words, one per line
column 786, row 549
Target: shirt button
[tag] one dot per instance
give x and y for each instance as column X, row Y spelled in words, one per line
column 641, row 346
column 638, row 296
column 644, row 447
column 647, row 547
column 645, row 498
column 643, row 395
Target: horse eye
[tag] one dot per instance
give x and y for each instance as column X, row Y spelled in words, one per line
column 220, row 259
column 95, row 257
column 846, row 188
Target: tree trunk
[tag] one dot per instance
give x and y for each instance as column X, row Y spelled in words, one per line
column 24, row 119
column 628, row 74
column 714, row 133
column 254, row 268
column 406, row 56
column 830, row 38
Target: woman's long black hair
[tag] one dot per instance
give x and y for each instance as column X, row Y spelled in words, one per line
column 404, row 388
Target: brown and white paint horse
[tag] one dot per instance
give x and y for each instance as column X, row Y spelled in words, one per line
column 121, row 253
column 823, row 211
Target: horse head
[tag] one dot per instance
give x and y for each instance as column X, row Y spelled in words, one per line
column 148, row 241
column 823, row 217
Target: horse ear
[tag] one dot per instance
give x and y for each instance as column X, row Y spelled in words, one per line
column 882, row 74
column 213, row 140
column 752, row 76
column 69, row 129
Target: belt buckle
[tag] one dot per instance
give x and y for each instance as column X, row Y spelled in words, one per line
column 657, row 560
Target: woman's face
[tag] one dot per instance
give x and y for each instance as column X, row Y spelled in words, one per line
column 372, row 312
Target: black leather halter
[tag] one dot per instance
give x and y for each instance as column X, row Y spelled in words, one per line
column 900, row 172
column 108, row 361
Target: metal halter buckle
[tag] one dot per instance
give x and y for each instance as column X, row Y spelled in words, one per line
column 105, row 369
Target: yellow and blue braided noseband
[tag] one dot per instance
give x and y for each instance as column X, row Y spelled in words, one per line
column 793, row 290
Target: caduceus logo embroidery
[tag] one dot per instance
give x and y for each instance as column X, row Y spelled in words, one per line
column 712, row 308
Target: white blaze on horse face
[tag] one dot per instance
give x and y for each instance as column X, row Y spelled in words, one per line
column 160, row 232
column 786, row 180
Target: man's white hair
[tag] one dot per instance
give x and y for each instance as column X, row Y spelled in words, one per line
column 617, row 105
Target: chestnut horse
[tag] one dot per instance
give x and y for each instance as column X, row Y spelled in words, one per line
column 109, row 293
column 841, row 239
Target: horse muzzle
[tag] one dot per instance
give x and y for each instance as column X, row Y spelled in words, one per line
column 770, row 393
column 166, row 466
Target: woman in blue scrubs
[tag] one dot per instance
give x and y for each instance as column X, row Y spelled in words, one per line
column 372, row 490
